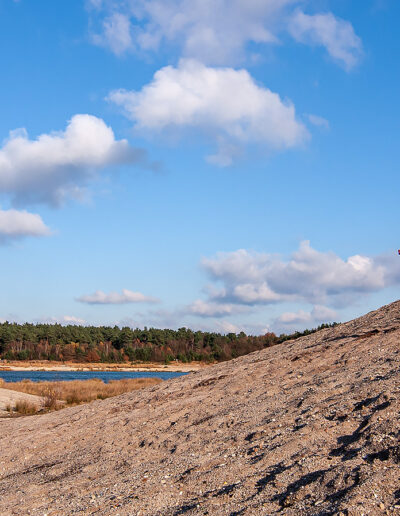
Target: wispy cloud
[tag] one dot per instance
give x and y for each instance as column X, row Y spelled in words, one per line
column 64, row 320
column 116, row 298
column 317, row 315
column 335, row 34
column 213, row 32
column 318, row 121
column 219, row 32
column 211, row 309
column 116, row 34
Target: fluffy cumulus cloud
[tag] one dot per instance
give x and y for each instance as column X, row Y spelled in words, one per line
column 59, row 164
column 16, row 224
column 219, row 32
column 116, row 298
column 245, row 284
column 308, row 276
column 335, row 34
column 222, row 102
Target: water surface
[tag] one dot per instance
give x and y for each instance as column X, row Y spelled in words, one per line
column 59, row 376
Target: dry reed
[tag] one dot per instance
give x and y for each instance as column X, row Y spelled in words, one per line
column 22, row 408
column 25, row 408
column 78, row 391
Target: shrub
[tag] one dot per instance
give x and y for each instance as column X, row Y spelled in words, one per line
column 50, row 398
column 26, row 408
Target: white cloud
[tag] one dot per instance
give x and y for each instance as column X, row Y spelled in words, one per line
column 116, row 34
column 64, row 320
column 335, row 34
column 317, row 315
column 214, row 32
column 308, row 276
column 228, row 327
column 249, row 329
column 289, row 322
column 318, row 121
column 210, row 309
column 290, row 318
column 115, row 298
column 59, row 164
column 219, row 32
column 71, row 319
column 16, row 224
column 390, row 264
column 222, row 102
column 323, row 314
column 175, row 320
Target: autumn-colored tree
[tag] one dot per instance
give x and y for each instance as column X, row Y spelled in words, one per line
column 92, row 356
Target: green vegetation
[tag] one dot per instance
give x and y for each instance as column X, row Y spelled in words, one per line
column 296, row 335
column 114, row 344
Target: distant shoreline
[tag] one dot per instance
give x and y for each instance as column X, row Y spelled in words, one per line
column 42, row 365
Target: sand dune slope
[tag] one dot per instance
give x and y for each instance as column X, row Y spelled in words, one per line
column 307, row 427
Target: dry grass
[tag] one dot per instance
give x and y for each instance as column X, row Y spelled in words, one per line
column 26, row 408
column 78, row 391
column 23, row 408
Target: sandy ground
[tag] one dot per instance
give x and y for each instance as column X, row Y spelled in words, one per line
column 11, row 397
column 42, row 365
column 308, row 427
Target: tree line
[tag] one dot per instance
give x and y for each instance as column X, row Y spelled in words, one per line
column 113, row 344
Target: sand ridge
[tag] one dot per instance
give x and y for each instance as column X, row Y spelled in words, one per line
column 308, row 427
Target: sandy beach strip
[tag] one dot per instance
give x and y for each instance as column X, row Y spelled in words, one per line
column 70, row 366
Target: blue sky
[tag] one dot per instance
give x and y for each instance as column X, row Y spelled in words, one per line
column 219, row 165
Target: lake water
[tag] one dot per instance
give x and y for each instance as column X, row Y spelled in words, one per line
column 58, row 376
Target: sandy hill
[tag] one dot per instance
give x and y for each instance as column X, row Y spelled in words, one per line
column 307, row 427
